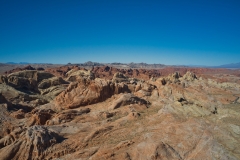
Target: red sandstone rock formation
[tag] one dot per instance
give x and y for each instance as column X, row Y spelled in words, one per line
column 125, row 114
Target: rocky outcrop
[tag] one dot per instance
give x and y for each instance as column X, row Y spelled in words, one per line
column 39, row 117
column 3, row 79
column 31, row 144
column 126, row 99
column 38, row 76
column 52, row 87
column 31, row 88
column 119, row 77
column 172, row 78
column 12, row 95
column 54, row 81
column 23, row 83
column 27, row 80
column 74, row 75
column 189, row 76
column 88, row 92
column 60, row 71
column 67, row 116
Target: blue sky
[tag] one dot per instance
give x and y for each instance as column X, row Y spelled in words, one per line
column 201, row 32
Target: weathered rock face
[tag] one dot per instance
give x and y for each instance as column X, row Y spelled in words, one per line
column 3, row 79
column 75, row 75
column 27, row 80
column 30, row 88
column 67, row 116
column 22, row 83
column 2, row 99
column 46, row 83
column 88, row 92
column 13, row 96
column 119, row 77
column 173, row 78
column 60, row 71
column 52, row 87
column 39, row 117
column 127, row 99
column 189, row 76
column 192, row 142
column 180, row 116
column 35, row 75
column 41, row 138
column 31, row 144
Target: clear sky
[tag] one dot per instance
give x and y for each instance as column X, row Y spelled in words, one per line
column 201, row 32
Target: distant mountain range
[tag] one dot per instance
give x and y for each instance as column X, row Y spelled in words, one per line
column 23, row 63
column 146, row 65
column 232, row 65
column 136, row 65
column 17, row 63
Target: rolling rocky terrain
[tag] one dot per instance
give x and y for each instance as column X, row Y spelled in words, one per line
column 69, row 112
